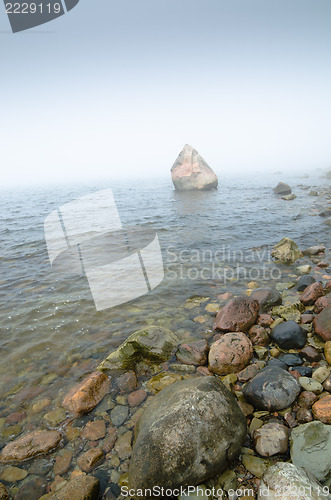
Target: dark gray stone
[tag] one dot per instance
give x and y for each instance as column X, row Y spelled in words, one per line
column 267, row 298
column 305, row 371
column 291, row 359
column 272, row 389
column 189, row 432
column 305, row 281
column 282, row 188
column 289, row 335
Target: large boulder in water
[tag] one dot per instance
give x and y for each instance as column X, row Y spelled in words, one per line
column 189, row 432
column 286, row 251
column 282, row 188
column 191, row 172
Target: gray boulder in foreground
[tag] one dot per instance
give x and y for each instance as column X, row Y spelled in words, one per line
column 191, row 172
column 285, row 481
column 190, row 431
column 311, row 448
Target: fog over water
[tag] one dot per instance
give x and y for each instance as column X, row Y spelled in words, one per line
column 115, row 89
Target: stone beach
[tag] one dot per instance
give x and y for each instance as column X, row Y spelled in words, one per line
column 240, row 405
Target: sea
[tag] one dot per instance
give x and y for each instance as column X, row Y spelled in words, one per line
column 212, row 242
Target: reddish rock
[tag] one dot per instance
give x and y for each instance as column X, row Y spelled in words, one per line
column 30, row 445
column 310, row 353
column 84, row 396
column 306, row 318
column 321, row 303
column 304, row 416
column 191, row 172
column 265, row 320
column 127, row 382
column 230, row 354
column 327, row 287
column 322, row 324
column 295, row 374
column 108, row 443
column 258, row 336
column 63, row 462
column 327, row 384
column 306, row 399
column 203, row 370
column 90, row 459
column 312, row 293
column 16, row 417
column 238, row 315
column 193, row 353
column 94, row 430
column 322, row 409
column 247, row 373
column 137, row 397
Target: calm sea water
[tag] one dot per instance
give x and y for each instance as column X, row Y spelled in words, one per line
column 49, row 322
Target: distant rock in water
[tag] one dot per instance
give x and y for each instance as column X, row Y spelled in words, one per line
column 191, row 172
column 282, row 188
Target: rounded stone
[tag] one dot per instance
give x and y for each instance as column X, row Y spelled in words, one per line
column 238, row 315
column 327, row 351
column 309, row 384
column 272, row 389
column 305, row 281
column 312, row 293
column 230, row 354
column 322, row 409
column 30, row 445
column 322, row 324
column 289, row 335
column 267, row 298
column 188, row 432
column 271, row 439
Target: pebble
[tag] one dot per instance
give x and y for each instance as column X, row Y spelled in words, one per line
column 291, row 359
column 327, row 351
column 31, row 490
column 322, row 324
column 230, row 354
column 305, row 281
column 255, row 465
column 309, row 384
column 306, row 399
column 123, row 445
column 304, row 371
column 309, row 353
column 63, row 462
column 29, row 445
column 94, row 430
column 271, row 439
column 312, row 293
column 193, row 353
column 327, row 384
column 83, row 397
column 90, row 459
column 137, row 397
column 109, row 441
column 321, row 374
column 119, row 415
column 12, row 474
column 322, row 409
column 238, row 315
column 271, row 389
column 127, row 382
column 289, row 335
column 56, row 416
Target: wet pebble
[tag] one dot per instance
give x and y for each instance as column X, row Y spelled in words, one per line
column 309, row 384
column 119, row 415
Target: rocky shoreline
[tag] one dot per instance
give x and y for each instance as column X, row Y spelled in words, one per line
column 270, row 352
column 240, row 407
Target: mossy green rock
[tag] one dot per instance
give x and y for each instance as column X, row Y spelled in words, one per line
column 153, row 343
column 311, row 448
column 286, row 251
column 289, row 312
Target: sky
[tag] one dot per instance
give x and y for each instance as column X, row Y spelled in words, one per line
column 115, row 88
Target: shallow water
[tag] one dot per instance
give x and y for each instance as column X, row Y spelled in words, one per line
column 212, row 242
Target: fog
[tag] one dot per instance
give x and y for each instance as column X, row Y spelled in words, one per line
column 115, row 90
